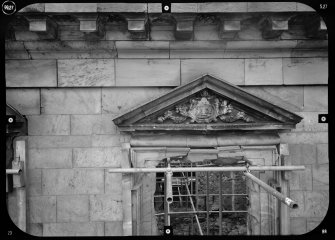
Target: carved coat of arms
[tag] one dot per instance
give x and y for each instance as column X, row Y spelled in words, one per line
column 204, row 109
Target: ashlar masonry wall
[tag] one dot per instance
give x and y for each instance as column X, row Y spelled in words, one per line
column 70, row 90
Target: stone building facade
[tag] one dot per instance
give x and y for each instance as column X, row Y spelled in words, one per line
column 71, row 69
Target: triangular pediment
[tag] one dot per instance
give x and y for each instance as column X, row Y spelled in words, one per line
column 207, row 104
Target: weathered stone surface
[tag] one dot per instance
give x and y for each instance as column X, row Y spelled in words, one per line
column 26, row 101
column 147, row 72
column 302, row 71
column 183, row 8
column 299, row 197
column 42, row 209
column 301, row 180
column 317, row 203
column 119, row 35
column 34, row 182
column 114, row 228
column 288, row 97
column 142, row 49
column 121, row 100
column 92, row 124
column 263, row 72
column 72, row 181
column 50, row 158
column 310, row 122
column 59, row 141
column 302, row 153
column 222, row 7
column 70, row 7
column 72, row 208
column 304, row 137
column 105, row 140
column 71, row 101
column 105, row 208
column 322, row 153
column 298, row 226
column 154, row 7
column 86, row 73
column 49, row 125
column 316, row 98
column 157, row 35
column 97, row 157
column 272, row 6
column 35, row 229
column 122, row 7
column 231, row 70
column 321, row 177
column 112, row 184
column 201, row 35
column 312, row 223
column 31, row 73
column 36, row 7
column 74, row 229
column 304, row 8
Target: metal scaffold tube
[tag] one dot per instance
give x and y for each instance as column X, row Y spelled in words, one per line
column 289, row 202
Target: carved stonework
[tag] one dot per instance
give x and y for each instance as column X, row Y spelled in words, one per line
column 204, row 109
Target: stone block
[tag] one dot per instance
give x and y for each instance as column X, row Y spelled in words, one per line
column 301, row 180
column 121, row 100
column 321, row 176
column 114, row 228
column 113, row 184
column 97, row 157
column 298, row 226
column 122, row 7
column 288, row 97
column 49, row 125
column 50, row 158
column 231, row 70
column 303, row 71
column 105, row 208
column 304, row 137
column 222, row 7
column 34, row 182
column 35, row 229
column 72, row 181
column 310, row 122
column 312, row 223
column 302, row 153
column 72, row 208
column 299, row 197
column 26, row 101
column 31, row 73
column 71, row 101
column 92, row 124
column 42, row 209
column 86, row 73
column 263, row 72
column 147, row 72
column 74, row 229
column 106, row 141
column 70, row 7
column 272, row 6
column 322, row 153
column 142, row 49
column 316, row 203
column 59, row 141
column 315, row 98
column 183, row 7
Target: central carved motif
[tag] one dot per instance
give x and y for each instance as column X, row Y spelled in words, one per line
column 204, row 109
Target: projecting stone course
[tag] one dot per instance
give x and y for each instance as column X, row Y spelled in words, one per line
column 97, row 157
column 26, row 101
column 151, row 72
column 86, row 73
column 72, row 181
column 74, row 229
column 231, row 70
column 71, row 101
column 92, row 124
column 71, row 7
column 31, row 73
column 72, row 208
column 105, row 208
column 42, row 209
column 49, row 125
column 272, row 6
column 50, row 158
